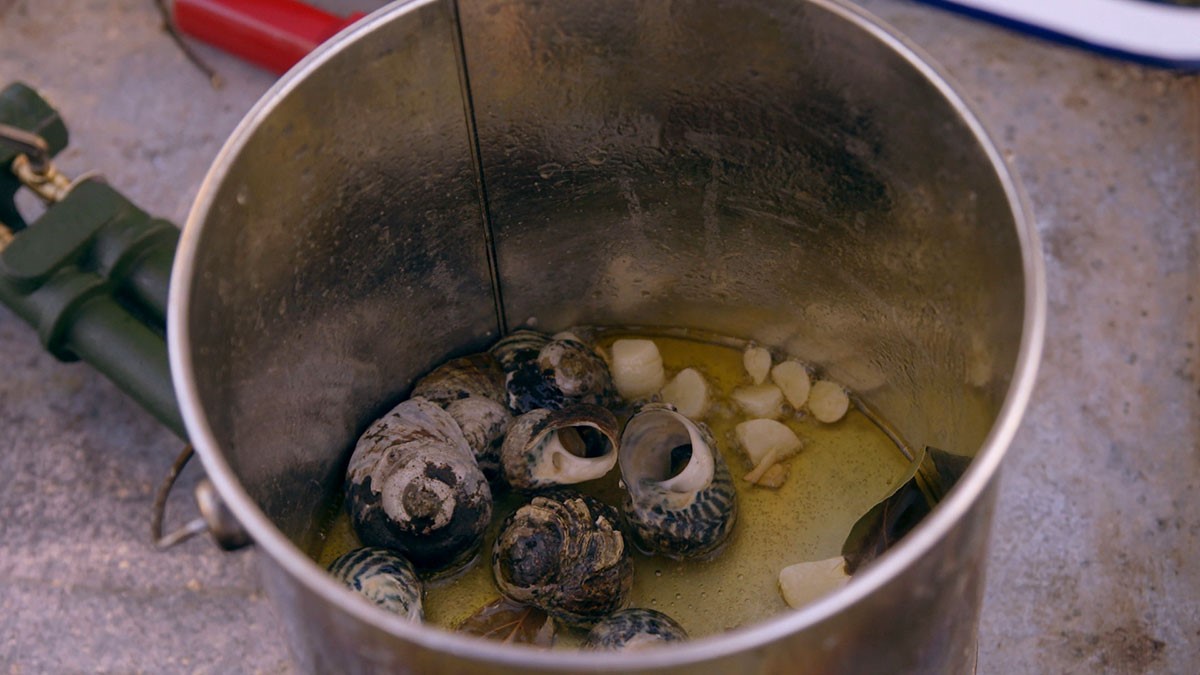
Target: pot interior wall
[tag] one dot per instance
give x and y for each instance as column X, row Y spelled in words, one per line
column 761, row 170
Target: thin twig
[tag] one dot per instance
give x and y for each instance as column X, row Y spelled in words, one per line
column 214, row 78
column 927, row 478
column 886, row 427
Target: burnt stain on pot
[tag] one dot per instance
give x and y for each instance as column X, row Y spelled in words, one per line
column 775, row 161
column 413, row 485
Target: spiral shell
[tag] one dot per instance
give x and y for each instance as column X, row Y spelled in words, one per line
column 563, row 553
column 518, row 347
column 471, row 375
column 634, row 628
column 680, row 500
column 384, row 577
column 544, row 372
column 545, row 448
column 484, row 423
column 471, row 389
column 413, row 485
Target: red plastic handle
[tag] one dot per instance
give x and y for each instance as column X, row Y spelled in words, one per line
column 274, row 34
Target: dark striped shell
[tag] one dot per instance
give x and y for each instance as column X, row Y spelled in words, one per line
column 413, row 486
column 544, row 372
column 634, row 628
column 545, row 448
column 563, row 553
column 518, row 347
column 384, row 577
column 680, row 499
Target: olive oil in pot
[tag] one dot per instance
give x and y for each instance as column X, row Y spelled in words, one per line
column 843, row 470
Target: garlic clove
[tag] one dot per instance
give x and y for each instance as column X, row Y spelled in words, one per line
column 806, row 582
column 760, row 437
column 828, row 401
column 758, row 363
column 759, row 400
column 774, row 477
column 792, row 379
column 637, row 368
column 688, row 392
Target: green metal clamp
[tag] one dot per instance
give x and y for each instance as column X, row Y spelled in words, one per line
column 23, row 108
column 91, row 275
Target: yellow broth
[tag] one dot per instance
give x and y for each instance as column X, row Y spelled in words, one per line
column 843, row 470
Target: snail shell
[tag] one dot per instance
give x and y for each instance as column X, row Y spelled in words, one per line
column 384, row 577
column 563, row 553
column 471, row 389
column 484, row 423
column 413, row 485
column 518, row 347
column 634, row 628
column 543, row 372
column 579, row 373
column 545, row 448
column 680, row 500
column 471, row 375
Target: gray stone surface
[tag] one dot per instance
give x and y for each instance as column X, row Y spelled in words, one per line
column 1094, row 564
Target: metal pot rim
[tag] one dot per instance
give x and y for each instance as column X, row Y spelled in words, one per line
column 287, row 555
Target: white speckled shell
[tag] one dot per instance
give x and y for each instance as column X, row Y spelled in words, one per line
column 413, row 485
column 471, row 389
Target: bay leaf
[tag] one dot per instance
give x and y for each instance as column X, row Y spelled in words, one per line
column 511, row 622
column 930, row 476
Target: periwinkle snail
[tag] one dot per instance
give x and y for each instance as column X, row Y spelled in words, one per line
column 563, row 552
column 595, row 487
column 413, row 485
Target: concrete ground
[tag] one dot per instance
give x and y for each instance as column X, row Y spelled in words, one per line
column 1095, row 563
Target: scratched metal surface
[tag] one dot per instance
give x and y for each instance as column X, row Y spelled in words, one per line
column 1093, row 565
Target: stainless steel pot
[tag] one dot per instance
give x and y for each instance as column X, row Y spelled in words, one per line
column 789, row 172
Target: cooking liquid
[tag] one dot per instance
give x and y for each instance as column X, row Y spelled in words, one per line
column 843, row 470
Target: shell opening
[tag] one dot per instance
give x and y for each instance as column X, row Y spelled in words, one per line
column 680, row 456
column 667, row 448
column 578, row 453
column 584, row 442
